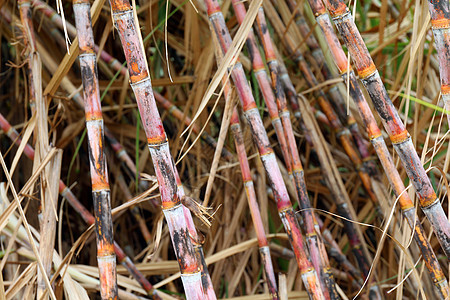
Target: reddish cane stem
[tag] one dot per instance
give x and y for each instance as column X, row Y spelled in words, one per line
column 159, row 149
column 99, row 173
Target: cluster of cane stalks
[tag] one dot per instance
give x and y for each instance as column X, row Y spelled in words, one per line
column 290, row 147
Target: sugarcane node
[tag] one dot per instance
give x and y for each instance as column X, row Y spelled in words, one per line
column 400, row 137
column 440, row 23
column 339, row 11
column 445, row 89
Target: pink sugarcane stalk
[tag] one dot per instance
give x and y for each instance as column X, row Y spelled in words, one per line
column 265, row 86
column 314, row 241
column 253, row 204
column 440, row 23
column 398, row 134
column 159, row 148
column 381, row 149
column 84, row 213
column 235, row 128
column 309, row 275
column 106, row 257
column 197, row 243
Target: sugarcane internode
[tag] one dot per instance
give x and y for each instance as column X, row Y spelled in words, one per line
column 254, row 209
column 159, row 149
column 99, row 173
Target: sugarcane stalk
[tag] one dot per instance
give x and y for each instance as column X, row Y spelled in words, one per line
column 265, row 86
column 238, row 137
column 374, row 133
column 106, row 257
column 309, row 275
column 440, row 23
column 65, row 192
column 390, row 118
column 253, row 204
column 314, row 241
column 159, row 148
